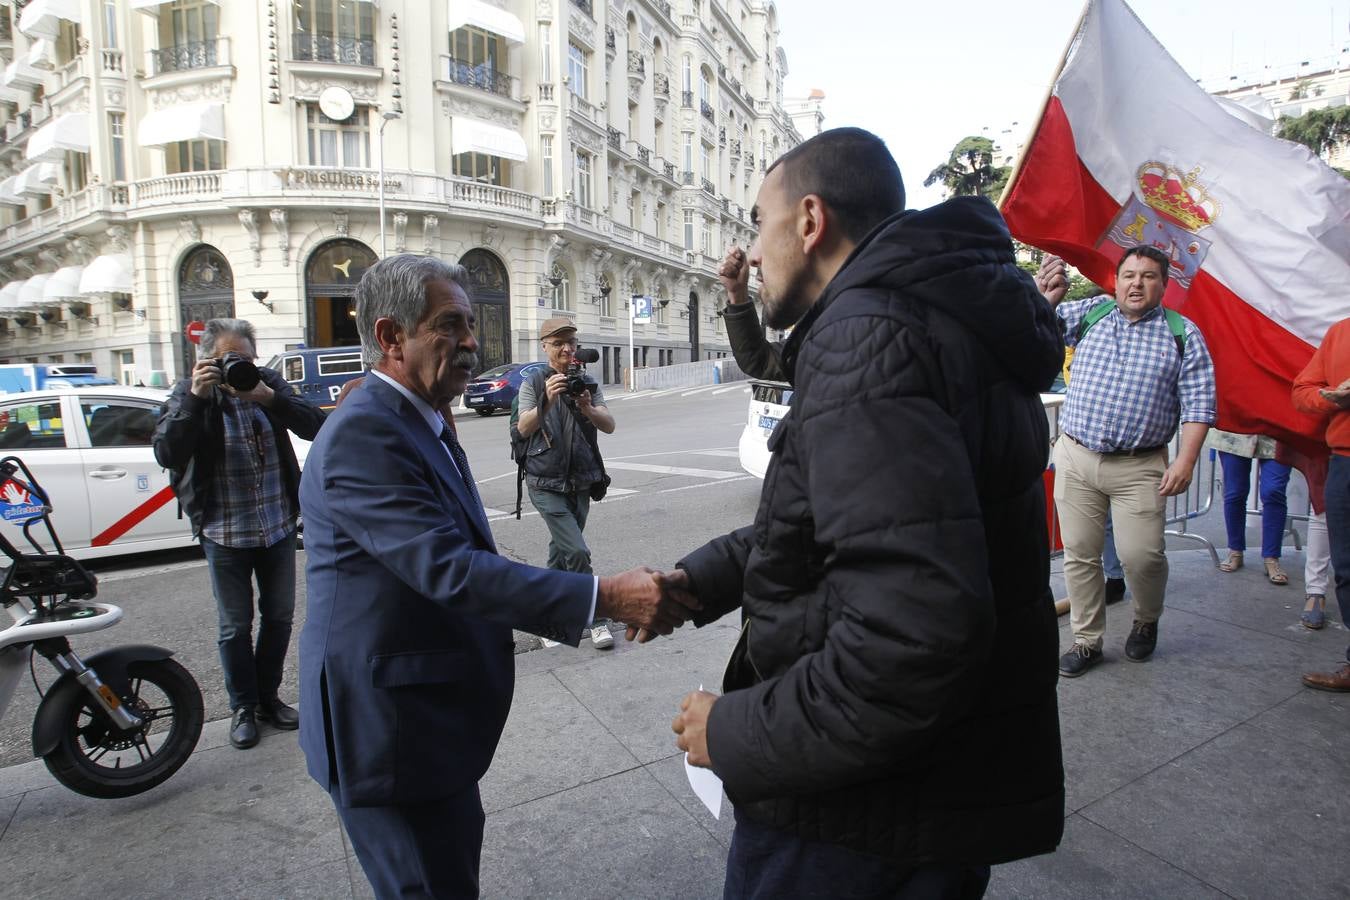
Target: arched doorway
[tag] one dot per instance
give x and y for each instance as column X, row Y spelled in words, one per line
column 490, row 293
column 205, row 291
column 331, row 275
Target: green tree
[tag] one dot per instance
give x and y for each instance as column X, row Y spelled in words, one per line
column 970, row 170
column 1319, row 130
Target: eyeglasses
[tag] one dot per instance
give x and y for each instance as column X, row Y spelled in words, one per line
column 558, row 345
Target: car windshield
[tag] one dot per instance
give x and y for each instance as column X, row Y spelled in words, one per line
column 495, row 373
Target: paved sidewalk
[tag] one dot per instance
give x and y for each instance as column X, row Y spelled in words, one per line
column 1207, row 772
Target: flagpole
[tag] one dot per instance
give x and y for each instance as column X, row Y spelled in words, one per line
column 1045, row 104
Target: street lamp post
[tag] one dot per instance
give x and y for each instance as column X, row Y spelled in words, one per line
column 387, row 118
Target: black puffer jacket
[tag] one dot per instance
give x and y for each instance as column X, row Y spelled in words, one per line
column 191, row 435
column 894, row 688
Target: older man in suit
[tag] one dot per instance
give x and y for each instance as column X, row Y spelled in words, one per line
column 406, row 657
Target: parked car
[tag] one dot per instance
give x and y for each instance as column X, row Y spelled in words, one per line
column 90, row 449
column 496, row 388
column 318, row 373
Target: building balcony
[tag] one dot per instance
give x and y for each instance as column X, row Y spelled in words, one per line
column 614, row 137
column 584, row 108
column 734, row 149
column 325, row 48
column 546, row 92
column 584, row 6
column 709, row 188
column 665, row 8
column 610, row 44
column 480, row 76
column 705, row 108
column 661, row 85
column 192, row 55
column 643, row 155
column 637, row 66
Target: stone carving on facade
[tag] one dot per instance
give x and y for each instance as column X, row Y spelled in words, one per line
column 491, row 236
column 50, row 258
column 23, row 266
column 340, row 223
column 543, row 9
column 279, row 221
column 79, row 250
column 584, row 138
column 191, row 228
column 462, row 106
column 546, row 120
column 431, row 234
column 400, row 231
column 580, row 26
column 249, row 220
column 117, row 238
column 115, row 97
column 202, row 91
column 309, row 88
column 628, row 275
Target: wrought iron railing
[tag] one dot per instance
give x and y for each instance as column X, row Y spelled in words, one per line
column 329, row 49
column 669, row 169
column 614, row 136
column 734, row 149
column 644, row 155
column 584, row 5
column 661, row 85
column 479, row 75
column 181, row 57
column 706, row 108
column 610, row 43
column 709, row 187
column 665, row 8
column 636, row 64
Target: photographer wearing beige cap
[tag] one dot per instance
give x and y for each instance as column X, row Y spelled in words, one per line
column 561, row 409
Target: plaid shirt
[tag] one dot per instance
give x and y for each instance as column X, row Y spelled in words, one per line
column 1129, row 386
column 249, row 506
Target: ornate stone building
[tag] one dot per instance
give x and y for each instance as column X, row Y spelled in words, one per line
column 163, row 163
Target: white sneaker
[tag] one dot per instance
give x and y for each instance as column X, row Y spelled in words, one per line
column 601, row 637
column 547, row 643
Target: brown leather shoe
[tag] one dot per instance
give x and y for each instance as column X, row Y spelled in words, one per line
column 1338, row 681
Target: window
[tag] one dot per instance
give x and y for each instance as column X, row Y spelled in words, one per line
column 546, row 154
column 85, row 358
column 344, row 144
column 293, row 368
column 705, row 157
column 110, row 24
column 336, row 31
column 77, row 165
column 125, row 363
column 332, row 364
column 689, row 229
column 583, row 185
column 659, row 312
column 545, row 54
column 704, row 88
column 477, row 48
column 707, row 238
column 118, row 423
column 117, row 126
column 32, row 426
column 56, row 358
column 687, row 74
column 633, row 121
column 481, row 168
column 187, row 36
column 635, row 209
column 578, row 62
column 688, row 151
column 660, row 220
column 562, row 293
column 194, row 156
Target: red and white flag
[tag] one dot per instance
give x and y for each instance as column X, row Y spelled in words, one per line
column 1130, row 150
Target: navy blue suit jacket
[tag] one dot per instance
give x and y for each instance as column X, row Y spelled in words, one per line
column 406, row 657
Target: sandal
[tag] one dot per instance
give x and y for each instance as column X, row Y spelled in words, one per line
column 1232, row 563
column 1274, row 572
column 1315, row 617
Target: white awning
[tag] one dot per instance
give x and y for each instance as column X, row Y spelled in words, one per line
column 68, row 132
column 41, row 54
column 476, row 136
column 189, row 122
column 109, row 274
column 9, row 295
column 482, row 15
column 151, row 7
column 31, row 292
column 23, row 76
column 9, row 192
column 64, row 285
column 39, row 178
column 42, row 18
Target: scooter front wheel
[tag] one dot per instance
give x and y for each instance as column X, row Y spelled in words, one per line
column 97, row 759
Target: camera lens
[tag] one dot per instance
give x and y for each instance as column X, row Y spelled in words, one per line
column 588, row 355
column 239, row 373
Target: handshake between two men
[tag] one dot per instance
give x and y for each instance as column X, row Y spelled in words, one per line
column 647, row 601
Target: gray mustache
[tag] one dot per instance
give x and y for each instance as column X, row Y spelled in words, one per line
column 465, row 358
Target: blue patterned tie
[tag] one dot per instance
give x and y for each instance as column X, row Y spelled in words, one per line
column 461, row 462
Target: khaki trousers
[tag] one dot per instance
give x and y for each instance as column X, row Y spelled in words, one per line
column 1086, row 485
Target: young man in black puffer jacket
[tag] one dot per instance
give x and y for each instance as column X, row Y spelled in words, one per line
column 889, row 724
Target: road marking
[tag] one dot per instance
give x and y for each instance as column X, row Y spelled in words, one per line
column 729, row 454
column 671, row 470
column 690, row 487
column 670, row 452
column 125, row 575
column 734, row 387
column 616, row 495
column 700, row 390
column 491, row 511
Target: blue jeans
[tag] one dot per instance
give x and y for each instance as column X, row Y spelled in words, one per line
column 766, row 863
column 1338, row 531
column 1272, row 478
column 253, row 675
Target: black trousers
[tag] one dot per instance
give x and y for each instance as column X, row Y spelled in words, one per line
column 767, row 864
column 418, row 850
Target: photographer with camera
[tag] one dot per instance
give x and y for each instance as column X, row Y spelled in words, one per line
column 223, row 439
column 560, row 412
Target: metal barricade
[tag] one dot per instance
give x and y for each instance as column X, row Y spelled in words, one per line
column 1195, row 501
column 1254, row 498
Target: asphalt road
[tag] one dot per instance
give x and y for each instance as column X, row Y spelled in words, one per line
column 677, row 483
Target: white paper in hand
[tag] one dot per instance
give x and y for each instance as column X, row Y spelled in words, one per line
column 706, row 785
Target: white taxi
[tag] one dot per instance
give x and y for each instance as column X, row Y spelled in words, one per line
column 90, row 450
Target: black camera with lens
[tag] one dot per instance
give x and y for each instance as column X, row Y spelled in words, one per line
column 578, row 382
column 238, row 371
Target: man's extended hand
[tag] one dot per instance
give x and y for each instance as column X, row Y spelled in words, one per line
column 260, row 393
column 1177, row 478
column 692, row 727
column 639, row 600
column 206, row 374
column 1052, row 280
column 555, row 387
column 1339, row 395
column 734, row 274
column 676, row 585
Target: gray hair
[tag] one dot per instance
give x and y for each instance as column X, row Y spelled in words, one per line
column 218, row 328
column 396, row 288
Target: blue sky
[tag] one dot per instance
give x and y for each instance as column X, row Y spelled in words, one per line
column 923, row 75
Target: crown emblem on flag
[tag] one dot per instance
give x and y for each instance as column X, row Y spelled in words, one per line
column 1178, row 196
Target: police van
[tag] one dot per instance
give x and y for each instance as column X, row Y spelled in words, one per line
column 318, row 373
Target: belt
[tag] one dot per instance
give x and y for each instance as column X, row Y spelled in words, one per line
column 1129, row 451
